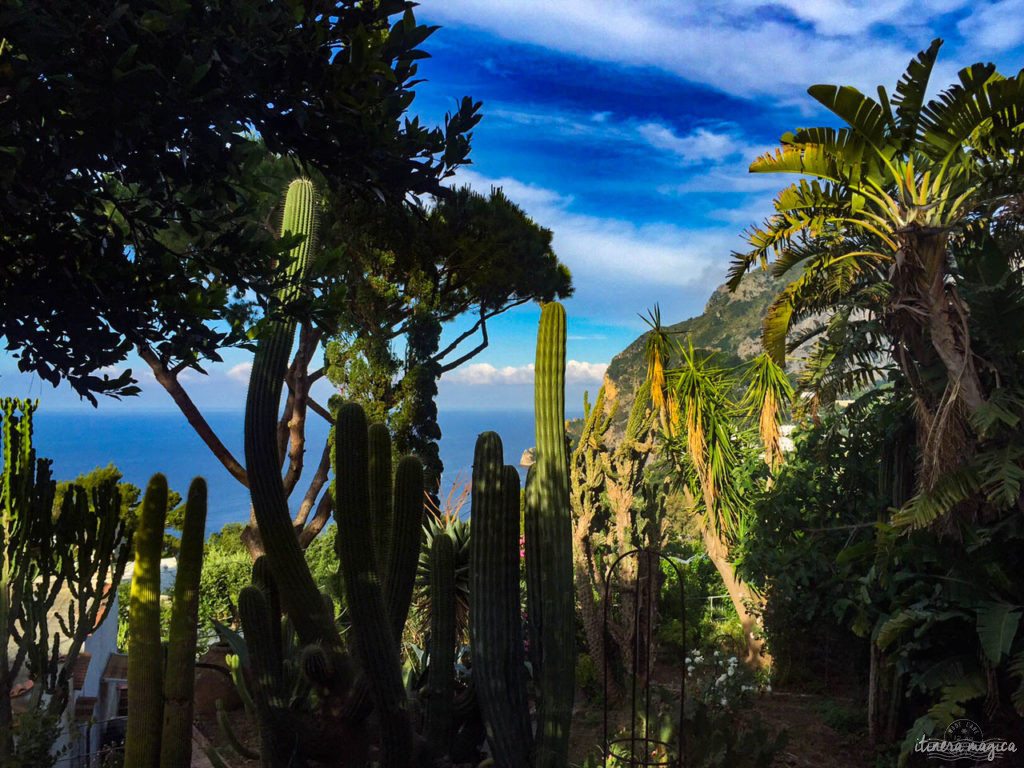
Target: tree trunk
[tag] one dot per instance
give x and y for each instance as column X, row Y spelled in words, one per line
column 742, row 598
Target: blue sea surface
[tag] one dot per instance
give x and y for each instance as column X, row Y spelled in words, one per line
column 143, row 443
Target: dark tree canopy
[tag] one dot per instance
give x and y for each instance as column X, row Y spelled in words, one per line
column 406, row 273
column 469, row 254
column 129, row 134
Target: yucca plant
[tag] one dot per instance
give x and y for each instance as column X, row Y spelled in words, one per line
column 706, row 447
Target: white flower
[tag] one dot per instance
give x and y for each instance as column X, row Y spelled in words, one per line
column 768, row 687
column 716, row 654
column 721, row 679
column 687, row 659
column 731, row 671
column 725, row 701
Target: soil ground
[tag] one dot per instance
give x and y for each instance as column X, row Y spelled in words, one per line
column 814, row 743
column 824, row 731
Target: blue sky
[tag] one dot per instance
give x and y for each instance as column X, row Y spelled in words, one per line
column 626, row 126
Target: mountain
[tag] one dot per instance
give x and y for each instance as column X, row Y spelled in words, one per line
column 730, row 325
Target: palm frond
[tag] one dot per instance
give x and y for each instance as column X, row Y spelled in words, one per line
column 862, row 113
column 910, row 92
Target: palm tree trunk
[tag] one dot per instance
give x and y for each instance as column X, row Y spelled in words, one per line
column 743, row 599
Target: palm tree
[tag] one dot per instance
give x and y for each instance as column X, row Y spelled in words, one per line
column 869, row 237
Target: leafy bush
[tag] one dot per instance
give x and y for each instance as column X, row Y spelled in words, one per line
column 224, row 575
column 715, row 737
column 35, row 734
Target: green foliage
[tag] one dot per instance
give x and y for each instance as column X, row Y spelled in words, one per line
column 587, row 676
column 110, row 474
column 35, row 735
column 226, row 541
column 322, row 559
column 704, row 619
column 714, row 736
column 396, row 282
column 825, row 500
column 155, row 205
column 57, row 561
column 944, row 612
column 843, row 718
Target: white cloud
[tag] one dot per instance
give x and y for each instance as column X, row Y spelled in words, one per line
column 577, row 372
column 610, row 251
column 240, row 372
column 700, row 146
column 485, row 374
column 745, row 48
column 704, row 145
column 997, row 26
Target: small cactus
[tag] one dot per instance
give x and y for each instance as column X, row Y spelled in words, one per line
column 441, row 674
column 159, row 731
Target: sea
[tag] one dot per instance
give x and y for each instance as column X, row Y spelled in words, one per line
column 143, row 443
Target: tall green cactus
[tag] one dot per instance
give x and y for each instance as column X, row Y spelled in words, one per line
column 495, row 623
column 279, row 746
column 553, row 523
column 159, row 729
column 496, row 629
column 375, row 642
column 441, row 675
column 179, row 674
column 299, row 594
column 145, row 656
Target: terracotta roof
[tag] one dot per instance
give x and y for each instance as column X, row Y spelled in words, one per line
column 117, row 667
column 85, row 708
column 80, row 670
column 109, row 593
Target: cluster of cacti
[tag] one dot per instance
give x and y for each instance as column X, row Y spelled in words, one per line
column 378, row 547
column 614, row 512
column 77, row 546
column 160, row 689
column 495, row 622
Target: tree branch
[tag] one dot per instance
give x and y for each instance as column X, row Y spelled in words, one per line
column 299, row 386
column 170, row 383
column 319, row 479
column 323, row 514
column 461, row 338
column 473, row 352
column 319, row 409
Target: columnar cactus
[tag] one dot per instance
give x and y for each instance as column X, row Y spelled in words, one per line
column 441, row 675
column 145, row 656
column 179, row 674
column 159, row 729
column 552, row 522
column 379, row 443
column 374, row 636
column 299, row 594
column 495, row 625
column 405, row 541
column 495, row 622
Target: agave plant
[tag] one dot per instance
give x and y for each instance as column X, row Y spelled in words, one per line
column 443, row 519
